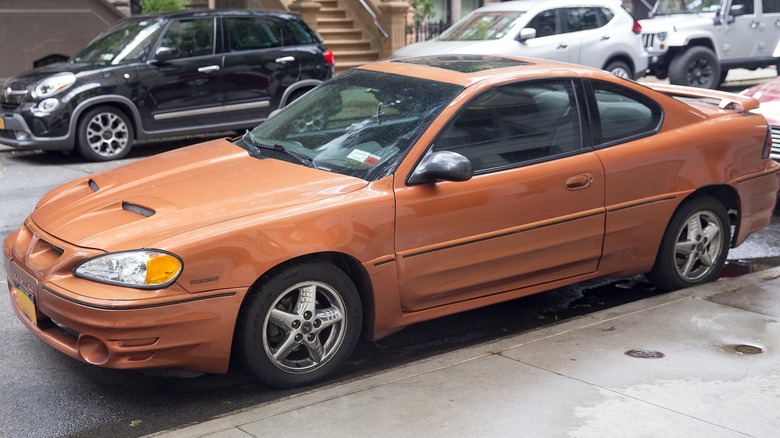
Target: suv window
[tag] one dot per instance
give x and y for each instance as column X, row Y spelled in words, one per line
column 623, row 114
column 253, row 33
column 296, row 34
column 546, row 23
column 193, row 37
column 771, row 6
column 582, row 18
column 515, row 124
column 748, row 4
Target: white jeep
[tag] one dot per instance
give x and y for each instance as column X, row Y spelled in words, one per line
column 696, row 42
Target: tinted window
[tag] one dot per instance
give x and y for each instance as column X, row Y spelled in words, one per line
column 581, row 18
column 253, row 33
column 129, row 41
column 546, row 24
column 297, row 33
column 748, row 5
column 191, row 37
column 771, row 6
column 515, row 124
column 623, row 114
column 481, row 26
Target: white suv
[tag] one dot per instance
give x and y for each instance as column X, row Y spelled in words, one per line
column 594, row 33
column 696, row 42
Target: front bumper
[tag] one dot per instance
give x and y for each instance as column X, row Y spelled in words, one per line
column 17, row 133
column 182, row 331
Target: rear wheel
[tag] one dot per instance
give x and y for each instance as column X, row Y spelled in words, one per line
column 620, row 69
column 695, row 67
column 694, row 247
column 300, row 325
column 104, row 134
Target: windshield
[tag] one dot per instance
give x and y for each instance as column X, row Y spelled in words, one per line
column 129, row 41
column 479, row 26
column 668, row 7
column 360, row 124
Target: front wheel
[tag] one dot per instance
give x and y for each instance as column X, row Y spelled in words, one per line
column 104, row 133
column 694, row 247
column 695, row 67
column 300, row 325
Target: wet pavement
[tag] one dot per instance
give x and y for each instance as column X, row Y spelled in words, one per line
column 704, row 361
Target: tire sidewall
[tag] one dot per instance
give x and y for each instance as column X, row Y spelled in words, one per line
column 664, row 274
column 249, row 331
column 82, row 144
column 679, row 66
column 622, row 65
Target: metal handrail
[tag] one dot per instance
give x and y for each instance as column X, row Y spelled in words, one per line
column 376, row 21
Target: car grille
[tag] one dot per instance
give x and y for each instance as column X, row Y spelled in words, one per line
column 11, row 99
column 776, row 142
column 648, row 39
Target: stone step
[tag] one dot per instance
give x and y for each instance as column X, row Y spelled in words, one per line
column 335, row 24
column 348, row 45
column 340, row 34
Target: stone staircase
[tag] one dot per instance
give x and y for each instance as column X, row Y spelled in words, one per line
column 346, row 40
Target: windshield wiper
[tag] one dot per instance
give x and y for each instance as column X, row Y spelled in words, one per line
column 299, row 157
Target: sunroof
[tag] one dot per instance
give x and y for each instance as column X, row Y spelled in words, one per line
column 464, row 63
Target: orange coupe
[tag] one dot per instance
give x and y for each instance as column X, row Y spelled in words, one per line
column 397, row 192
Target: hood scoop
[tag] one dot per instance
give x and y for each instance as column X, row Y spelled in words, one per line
column 93, row 185
column 137, row 209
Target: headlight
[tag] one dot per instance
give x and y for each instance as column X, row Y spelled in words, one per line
column 49, row 105
column 147, row 269
column 662, row 36
column 54, row 84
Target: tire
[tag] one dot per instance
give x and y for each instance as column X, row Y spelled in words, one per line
column 288, row 341
column 695, row 67
column 104, row 133
column 694, row 247
column 620, row 69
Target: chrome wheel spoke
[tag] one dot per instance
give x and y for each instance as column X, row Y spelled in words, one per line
column 329, row 316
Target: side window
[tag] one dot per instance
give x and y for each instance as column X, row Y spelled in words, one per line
column 253, row 33
column 607, row 14
column 297, row 34
column 747, row 4
column 191, row 37
column 515, row 124
column 546, row 23
column 623, row 115
column 583, row 18
column 771, row 6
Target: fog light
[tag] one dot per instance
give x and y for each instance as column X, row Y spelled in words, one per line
column 49, row 105
column 93, row 350
column 21, row 135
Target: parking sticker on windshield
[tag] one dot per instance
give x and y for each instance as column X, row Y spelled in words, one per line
column 364, row 157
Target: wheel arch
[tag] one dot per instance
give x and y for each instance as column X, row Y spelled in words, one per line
column 119, row 102
column 622, row 57
column 723, row 193
column 297, row 87
column 348, row 264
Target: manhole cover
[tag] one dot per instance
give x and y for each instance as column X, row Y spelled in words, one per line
column 748, row 349
column 645, row 354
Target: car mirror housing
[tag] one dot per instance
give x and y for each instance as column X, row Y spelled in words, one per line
column 526, row 33
column 163, row 54
column 442, row 166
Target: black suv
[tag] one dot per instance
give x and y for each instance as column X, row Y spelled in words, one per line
column 155, row 76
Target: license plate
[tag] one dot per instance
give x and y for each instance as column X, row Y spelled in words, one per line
column 27, row 303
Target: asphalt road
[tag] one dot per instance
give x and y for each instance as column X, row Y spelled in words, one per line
column 46, row 394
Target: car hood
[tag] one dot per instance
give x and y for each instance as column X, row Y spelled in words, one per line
column 436, row 47
column 677, row 22
column 137, row 205
column 768, row 93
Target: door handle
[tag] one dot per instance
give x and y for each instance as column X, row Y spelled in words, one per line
column 208, row 69
column 605, row 37
column 562, row 46
column 285, row 59
column 579, row 182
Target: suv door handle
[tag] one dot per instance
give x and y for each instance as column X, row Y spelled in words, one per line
column 285, row 59
column 562, row 46
column 208, row 69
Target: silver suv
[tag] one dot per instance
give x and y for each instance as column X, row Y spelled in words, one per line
column 696, row 42
column 594, row 33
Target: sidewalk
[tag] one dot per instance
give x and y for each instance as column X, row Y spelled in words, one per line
column 719, row 377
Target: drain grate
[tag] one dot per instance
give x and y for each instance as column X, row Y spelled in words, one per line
column 645, row 354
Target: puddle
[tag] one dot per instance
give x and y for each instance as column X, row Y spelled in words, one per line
column 736, row 268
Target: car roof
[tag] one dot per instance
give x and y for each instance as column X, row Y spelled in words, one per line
column 218, row 13
column 466, row 70
column 524, row 5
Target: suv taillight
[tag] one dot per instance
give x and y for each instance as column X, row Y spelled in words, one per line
column 637, row 29
column 329, row 57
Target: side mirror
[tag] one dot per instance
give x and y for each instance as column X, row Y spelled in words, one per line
column 526, row 33
column 163, row 54
column 736, row 11
column 442, row 166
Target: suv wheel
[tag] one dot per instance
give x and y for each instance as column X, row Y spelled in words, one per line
column 620, row 69
column 695, row 67
column 104, row 134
